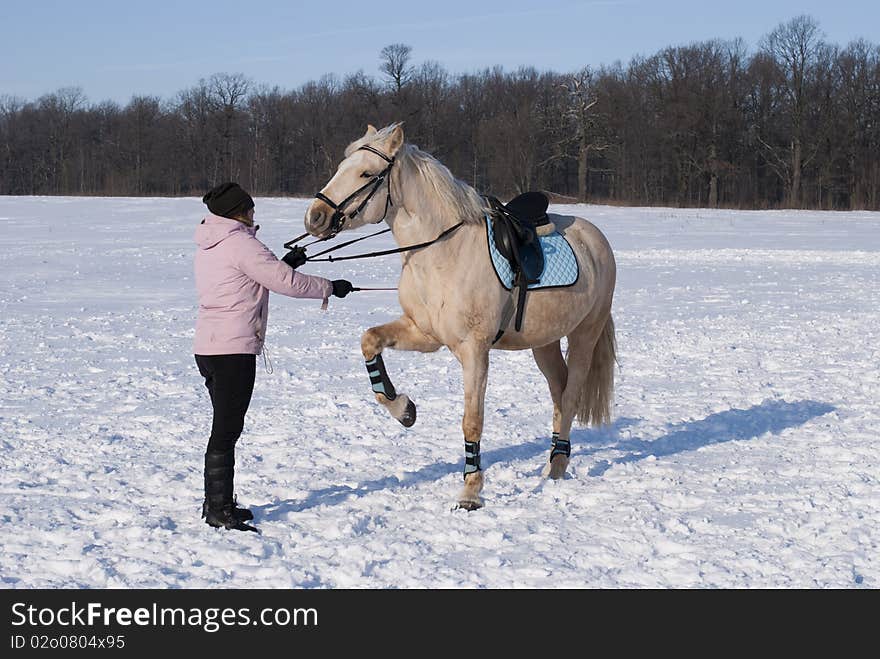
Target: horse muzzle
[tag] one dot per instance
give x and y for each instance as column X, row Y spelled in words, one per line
column 319, row 218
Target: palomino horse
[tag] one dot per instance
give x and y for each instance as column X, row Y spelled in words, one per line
column 451, row 297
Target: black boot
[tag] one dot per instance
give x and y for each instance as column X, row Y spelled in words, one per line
column 219, row 508
column 244, row 514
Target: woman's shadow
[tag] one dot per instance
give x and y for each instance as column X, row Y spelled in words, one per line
column 771, row 416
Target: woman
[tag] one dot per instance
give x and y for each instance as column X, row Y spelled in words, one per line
column 234, row 273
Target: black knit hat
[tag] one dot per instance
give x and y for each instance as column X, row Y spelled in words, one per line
column 228, row 200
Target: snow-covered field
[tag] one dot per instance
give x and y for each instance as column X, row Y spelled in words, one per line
column 743, row 453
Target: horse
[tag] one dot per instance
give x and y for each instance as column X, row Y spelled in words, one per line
column 451, row 297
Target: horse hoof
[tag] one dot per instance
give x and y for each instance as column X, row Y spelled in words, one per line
column 555, row 469
column 469, row 504
column 408, row 418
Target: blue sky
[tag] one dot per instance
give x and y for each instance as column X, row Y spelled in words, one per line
column 115, row 49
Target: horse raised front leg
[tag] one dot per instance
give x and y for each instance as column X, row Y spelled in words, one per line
column 401, row 334
column 475, row 367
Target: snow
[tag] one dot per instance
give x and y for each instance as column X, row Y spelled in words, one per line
column 742, row 454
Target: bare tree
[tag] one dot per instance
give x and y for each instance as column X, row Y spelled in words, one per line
column 59, row 109
column 228, row 91
column 142, row 114
column 858, row 74
column 394, row 63
column 573, row 125
column 11, row 109
column 795, row 46
column 195, row 109
column 431, row 87
column 582, row 99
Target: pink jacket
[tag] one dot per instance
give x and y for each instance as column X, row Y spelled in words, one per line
column 234, row 274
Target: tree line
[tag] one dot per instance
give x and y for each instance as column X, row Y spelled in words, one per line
column 794, row 122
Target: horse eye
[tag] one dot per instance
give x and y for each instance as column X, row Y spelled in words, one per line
column 366, row 175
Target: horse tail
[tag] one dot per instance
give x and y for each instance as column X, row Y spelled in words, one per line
column 594, row 399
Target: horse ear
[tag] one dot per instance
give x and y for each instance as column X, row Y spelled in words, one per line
column 371, row 130
column 395, row 140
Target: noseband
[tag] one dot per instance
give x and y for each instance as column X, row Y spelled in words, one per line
column 339, row 214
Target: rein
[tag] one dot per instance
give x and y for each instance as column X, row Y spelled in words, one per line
column 408, row 248
column 290, row 244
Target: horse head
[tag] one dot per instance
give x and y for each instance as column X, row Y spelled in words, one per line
column 359, row 192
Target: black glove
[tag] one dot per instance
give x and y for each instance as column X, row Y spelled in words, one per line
column 341, row 287
column 295, row 257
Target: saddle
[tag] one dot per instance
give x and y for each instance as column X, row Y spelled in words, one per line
column 515, row 228
column 530, row 207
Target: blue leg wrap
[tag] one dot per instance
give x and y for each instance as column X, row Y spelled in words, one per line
column 379, row 377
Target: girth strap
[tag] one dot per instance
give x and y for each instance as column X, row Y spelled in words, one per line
column 506, row 315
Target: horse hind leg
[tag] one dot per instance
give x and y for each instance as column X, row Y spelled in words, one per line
column 588, row 389
column 552, row 364
column 401, row 334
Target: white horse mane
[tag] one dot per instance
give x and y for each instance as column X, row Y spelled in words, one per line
column 443, row 195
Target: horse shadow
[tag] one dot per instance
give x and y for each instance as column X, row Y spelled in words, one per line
column 771, row 416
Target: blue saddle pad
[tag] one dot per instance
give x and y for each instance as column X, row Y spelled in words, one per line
column 560, row 264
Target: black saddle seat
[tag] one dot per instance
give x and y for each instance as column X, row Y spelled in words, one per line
column 516, row 238
column 515, row 235
column 530, row 207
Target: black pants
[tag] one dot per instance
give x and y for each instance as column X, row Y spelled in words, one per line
column 230, row 382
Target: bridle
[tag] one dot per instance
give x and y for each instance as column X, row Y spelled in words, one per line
column 339, row 214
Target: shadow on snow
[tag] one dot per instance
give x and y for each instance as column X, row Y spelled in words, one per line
column 771, row 416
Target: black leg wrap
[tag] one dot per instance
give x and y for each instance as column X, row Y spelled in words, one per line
column 379, row 377
column 560, row 447
column 471, row 458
